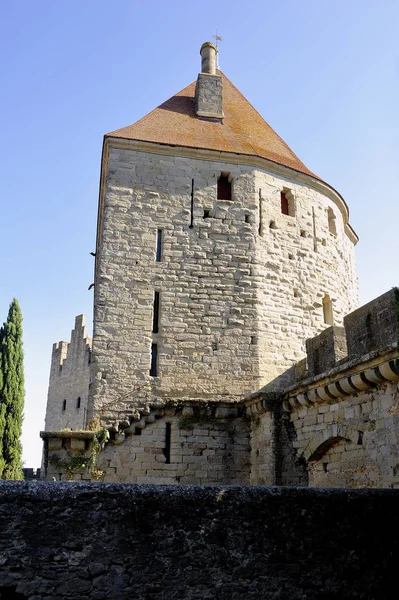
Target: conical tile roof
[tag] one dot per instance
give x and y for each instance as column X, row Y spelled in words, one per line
column 242, row 131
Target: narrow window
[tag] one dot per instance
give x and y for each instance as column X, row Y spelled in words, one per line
column 64, row 405
column 154, row 357
column 155, row 313
column 285, row 209
column 260, row 230
column 168, row 439
column 159, row 246
column 78, row 402
column 328, row 310
column 314, row 230
column 331, row 222
column 192, row 205
column 224, row 187
column 207, row 214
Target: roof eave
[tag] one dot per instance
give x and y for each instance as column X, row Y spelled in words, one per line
column 255, row 160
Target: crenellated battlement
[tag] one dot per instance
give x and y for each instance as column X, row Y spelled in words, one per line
column 69, row 380
column 372, row 329
column 344, row 361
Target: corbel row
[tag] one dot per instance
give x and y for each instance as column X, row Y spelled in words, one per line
column 350, row 385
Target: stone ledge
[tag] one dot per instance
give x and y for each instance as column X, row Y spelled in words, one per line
column 77, row 435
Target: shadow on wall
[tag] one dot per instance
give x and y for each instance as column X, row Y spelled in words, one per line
column 9, row 593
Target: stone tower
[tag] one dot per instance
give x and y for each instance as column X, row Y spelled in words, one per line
column 218, row 254
column 69, row 381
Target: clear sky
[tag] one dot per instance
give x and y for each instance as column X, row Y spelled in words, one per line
column 325, row 75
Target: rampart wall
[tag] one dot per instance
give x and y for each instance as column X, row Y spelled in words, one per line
column 95, row 541
column 338, row 425
column 343, row 413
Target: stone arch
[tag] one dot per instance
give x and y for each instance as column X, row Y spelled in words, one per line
column 333, row 434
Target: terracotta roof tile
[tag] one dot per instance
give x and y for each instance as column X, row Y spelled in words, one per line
column 243, row 130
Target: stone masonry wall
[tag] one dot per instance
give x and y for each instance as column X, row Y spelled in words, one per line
column 95, row 541
column 207, row 296
column 169, row 449
column 69, row 380
column 354, row 442
column 299, row 261
column 345, row 409
column 237, row 299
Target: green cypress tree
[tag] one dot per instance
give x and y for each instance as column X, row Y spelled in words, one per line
column 2, row 407
column 12, row 394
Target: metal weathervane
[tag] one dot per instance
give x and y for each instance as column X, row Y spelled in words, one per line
column 217, row 39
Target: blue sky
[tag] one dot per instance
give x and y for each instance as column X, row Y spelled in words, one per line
column 324, row 74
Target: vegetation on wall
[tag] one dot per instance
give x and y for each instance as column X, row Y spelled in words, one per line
column 12, row 394
column 74, row 462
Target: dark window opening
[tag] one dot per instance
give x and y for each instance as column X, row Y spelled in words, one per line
column 260, row 229
column 247, row 218
column 325, row 467
column 168, row 440
column 155, row 316
column 192, row 205
column 159, row 246
column 137, row 431
column 154, row 361
column 285, row 208
column 207, row 214
column 224, row 187
column 64, row 405
column 78, row 402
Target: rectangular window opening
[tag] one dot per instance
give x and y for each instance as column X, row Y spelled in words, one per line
column 155, row 315
column 159, row 246
column 285, row 209
column 154, row 360
column 168, row 440
column 224, row 187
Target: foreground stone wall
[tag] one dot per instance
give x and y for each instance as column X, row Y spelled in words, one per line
column 96, row 541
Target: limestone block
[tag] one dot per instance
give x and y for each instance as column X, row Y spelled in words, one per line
column 55, row 444
column 77, row 445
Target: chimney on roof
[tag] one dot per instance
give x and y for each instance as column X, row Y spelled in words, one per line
column 209, row 91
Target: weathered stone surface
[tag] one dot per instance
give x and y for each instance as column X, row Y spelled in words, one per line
column 373, row 326
column 325, row 350
column 96, row 541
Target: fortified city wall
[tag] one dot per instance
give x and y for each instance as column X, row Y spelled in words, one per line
column 337, row 426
